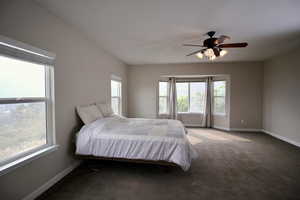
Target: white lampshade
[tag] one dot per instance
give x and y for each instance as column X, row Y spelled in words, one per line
column 209, row 52
column 223, row 53
column 199, row 55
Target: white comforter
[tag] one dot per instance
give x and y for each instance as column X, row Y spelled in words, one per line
column 132, row 138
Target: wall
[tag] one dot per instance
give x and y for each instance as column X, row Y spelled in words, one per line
column 245, row 88
column 281, row 108
column 82, row 73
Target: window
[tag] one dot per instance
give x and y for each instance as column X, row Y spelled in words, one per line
column 197, row 97
column 191, row 97
column 219, row 100
column 26, row 103
column 163, row 97
column 116, row 96
column 182, row 90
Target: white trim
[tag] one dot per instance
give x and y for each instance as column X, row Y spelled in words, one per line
column 50, row 94
column 213, row 98
column 26, row 159
column 51, row 182
column 25, row 47
column 221, row 128
column 115, row 78
column 219, row 114
column 245, row 129
column 193, row 125
column 22, row 51
column 285, row 139
column 120, row 93
column 15, row 161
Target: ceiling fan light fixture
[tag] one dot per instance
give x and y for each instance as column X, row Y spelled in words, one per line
column 212, row 57
column 209, row 52
column 199, row 55
column 212, row 47
column 223, row 52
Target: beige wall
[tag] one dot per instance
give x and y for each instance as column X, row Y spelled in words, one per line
column 245, row 88
column 281, row 105
column 82, row 75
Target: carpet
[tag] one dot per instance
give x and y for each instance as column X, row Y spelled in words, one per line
column 231, row 166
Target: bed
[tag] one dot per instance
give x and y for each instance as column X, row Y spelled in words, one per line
column 145, row 140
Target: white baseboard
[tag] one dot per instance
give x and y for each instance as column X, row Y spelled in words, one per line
column 245, row 129
column 237, row 129
column 221, row 128
column 193, row 125
column 281, row 138
column 51, row 182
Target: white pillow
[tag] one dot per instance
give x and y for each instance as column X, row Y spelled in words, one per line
column 89, row 113
column 105, row 108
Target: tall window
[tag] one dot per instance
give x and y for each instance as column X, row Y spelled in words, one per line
column 26, row 104
column 163, row 97
column 116, row 96
column 191, row 97
column 219, row 97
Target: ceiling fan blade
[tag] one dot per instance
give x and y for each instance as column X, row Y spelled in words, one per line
column 233, row 45
column 195, row 52
column 222, row 38
column 216, row 52
column 193, row 45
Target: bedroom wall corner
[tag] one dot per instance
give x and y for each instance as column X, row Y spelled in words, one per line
column 281, row 96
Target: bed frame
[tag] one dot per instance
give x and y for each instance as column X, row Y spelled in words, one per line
column 160, row 162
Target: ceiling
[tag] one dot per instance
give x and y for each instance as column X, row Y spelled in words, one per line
column 153, row 31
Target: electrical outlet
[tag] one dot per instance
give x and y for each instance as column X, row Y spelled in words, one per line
column 242, row 121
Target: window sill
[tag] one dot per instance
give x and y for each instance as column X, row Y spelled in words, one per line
column 192, row 113
column 26, row 159
column 219, row 114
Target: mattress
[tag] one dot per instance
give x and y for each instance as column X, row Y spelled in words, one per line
column 136, row 138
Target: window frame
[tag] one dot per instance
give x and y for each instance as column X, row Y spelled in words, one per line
column 119, row 80
column 167, row 96
column 189, row 97
column 224, row 97
column 24, row 52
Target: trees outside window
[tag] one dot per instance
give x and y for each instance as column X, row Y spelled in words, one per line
column 219, row 97
column 191, row 97
column 25, row 107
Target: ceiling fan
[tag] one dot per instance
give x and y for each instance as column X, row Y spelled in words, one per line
column 213, row 46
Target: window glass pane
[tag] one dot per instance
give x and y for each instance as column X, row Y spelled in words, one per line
column 182, row 90
column 162, row 104
column 219, row 105
column 115, row 104
column 197, row 96
column 163, row 93
column 219, row 88
column 22, row 127
column 115, row 88
column 163, row 88
column 21, row 79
